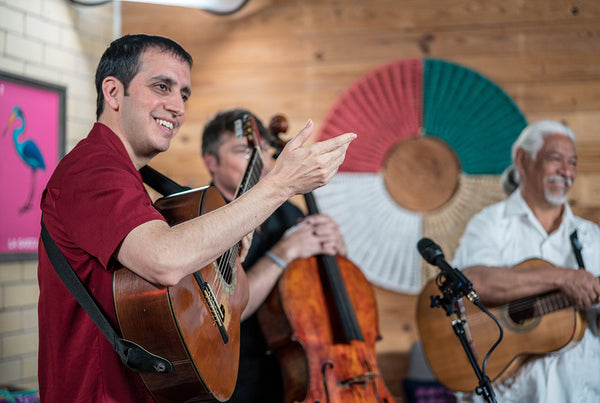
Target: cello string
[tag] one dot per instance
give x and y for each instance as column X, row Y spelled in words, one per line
column 343, row 303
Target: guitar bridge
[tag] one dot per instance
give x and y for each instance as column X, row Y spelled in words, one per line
column 216, row 311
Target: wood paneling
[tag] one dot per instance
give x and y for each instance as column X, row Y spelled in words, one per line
column 297, row 57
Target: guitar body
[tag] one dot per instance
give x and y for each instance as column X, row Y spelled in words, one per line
column 522, row 338
column 176, row 322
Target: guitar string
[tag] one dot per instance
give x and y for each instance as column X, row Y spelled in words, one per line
column 226, row 262
column 221, row 273
column 540, row 306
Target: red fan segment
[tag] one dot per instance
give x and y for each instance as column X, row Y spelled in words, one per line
column 386, row 101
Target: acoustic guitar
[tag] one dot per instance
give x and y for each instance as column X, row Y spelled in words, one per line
column 532, row 326
column 195, row 324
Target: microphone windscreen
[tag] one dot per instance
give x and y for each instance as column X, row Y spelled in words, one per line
column 429, row 250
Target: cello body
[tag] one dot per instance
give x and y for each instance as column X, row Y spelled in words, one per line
column 305, row 329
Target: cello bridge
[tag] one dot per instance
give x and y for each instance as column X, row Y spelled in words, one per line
column 361, row 379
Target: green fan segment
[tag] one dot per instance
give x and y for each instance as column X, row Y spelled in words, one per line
column 473, row 115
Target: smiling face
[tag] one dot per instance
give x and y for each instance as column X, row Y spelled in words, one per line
column 150, row 113
column 548, row 178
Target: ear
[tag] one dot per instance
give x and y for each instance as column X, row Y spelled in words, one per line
column 113, row 91
column 521, row 159
column 211, row 163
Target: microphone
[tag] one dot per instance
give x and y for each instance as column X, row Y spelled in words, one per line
column 433, row 254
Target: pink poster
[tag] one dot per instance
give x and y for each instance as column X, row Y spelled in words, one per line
column 32, row 135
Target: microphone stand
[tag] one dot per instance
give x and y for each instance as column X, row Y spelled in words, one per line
column 451, row 293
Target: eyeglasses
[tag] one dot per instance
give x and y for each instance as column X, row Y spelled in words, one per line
column 247, row 151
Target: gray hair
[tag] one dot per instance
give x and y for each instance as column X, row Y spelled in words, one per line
column 531, row 141
column 531, row 138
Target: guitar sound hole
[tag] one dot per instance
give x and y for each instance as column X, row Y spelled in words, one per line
column 519, row 312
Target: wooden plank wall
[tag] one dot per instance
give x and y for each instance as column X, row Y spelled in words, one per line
column 296, row 58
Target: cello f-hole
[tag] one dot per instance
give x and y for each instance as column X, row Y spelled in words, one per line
column 326, row 375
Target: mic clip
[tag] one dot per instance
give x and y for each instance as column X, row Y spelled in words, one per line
column 455, row 284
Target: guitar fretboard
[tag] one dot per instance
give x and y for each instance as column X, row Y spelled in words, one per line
column 226, row 262
column 539, row 305
column 252, row 174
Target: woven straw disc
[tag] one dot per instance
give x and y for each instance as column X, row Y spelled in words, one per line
column 426, row 166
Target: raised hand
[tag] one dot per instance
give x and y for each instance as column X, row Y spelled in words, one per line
column 302, row 168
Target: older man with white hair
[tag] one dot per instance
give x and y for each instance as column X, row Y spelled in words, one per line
column 536, row 222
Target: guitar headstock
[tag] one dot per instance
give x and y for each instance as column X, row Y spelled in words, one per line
column 247, row 127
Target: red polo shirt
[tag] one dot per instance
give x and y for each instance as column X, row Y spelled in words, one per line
column 92, row 201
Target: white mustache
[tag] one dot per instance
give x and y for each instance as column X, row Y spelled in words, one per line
column 562, row 180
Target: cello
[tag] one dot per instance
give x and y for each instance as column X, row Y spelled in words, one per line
column 321, row 322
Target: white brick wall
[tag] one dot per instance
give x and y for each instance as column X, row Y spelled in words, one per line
column 12, row 21
column 27, row 6
column 60, row 43
column 42, row 29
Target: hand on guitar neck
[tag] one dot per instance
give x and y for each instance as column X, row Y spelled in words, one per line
column 500, row 285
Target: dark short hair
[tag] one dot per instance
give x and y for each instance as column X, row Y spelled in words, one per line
column 222, row 123
column 122, row 60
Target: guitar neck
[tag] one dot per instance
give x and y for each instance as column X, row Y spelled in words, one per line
column 247, row 128
column 252, row 173
column 548, row 303
column 538, row 305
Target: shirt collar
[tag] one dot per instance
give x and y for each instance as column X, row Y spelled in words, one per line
column 516, row 206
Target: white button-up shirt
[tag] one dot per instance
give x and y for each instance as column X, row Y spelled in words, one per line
column 506, row 234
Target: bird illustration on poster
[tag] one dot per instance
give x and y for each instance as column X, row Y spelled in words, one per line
column 27, row 150
column 32, row 141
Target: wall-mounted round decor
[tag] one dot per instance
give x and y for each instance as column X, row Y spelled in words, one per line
column 433, row 139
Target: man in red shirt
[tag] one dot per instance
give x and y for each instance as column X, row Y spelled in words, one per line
column 98, row 212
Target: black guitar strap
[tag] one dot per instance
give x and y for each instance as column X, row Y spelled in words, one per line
column 132, row 355
column 159, row 182
column 577, row 247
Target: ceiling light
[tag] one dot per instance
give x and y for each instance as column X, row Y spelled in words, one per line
column 221, row 7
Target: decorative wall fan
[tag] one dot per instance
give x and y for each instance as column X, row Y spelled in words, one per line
column 433, row 139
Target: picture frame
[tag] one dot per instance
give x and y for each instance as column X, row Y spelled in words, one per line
column 32, row 142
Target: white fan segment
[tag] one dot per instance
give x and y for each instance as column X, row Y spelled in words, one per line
column 381, row 236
